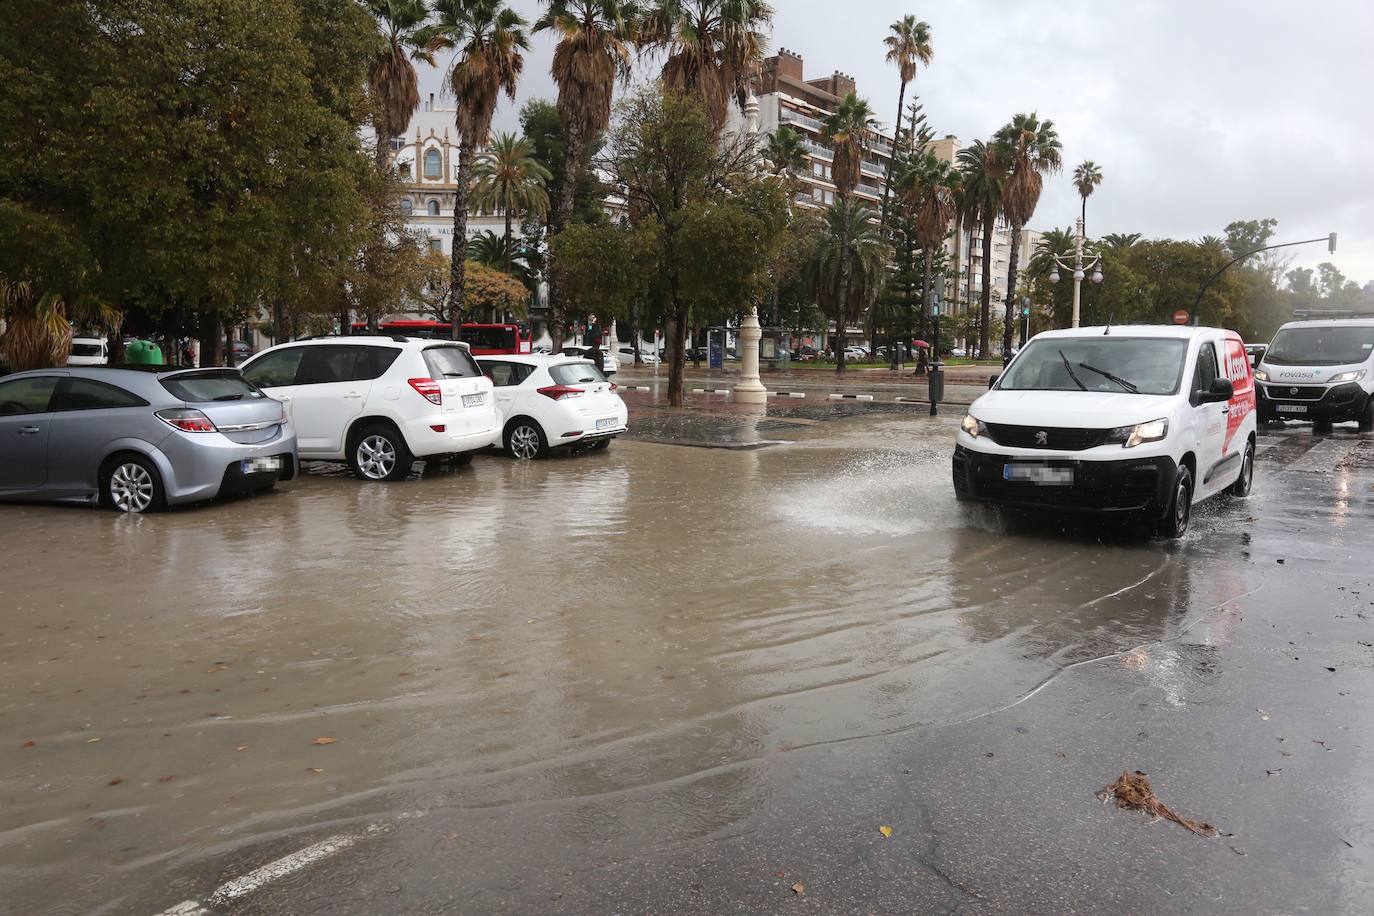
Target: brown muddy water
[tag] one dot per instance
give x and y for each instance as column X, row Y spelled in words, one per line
column 650, row 620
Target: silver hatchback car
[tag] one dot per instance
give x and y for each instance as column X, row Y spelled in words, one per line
column 139, row 441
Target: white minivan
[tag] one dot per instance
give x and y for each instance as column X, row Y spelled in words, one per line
column 1321, row 371
column 1145, row 420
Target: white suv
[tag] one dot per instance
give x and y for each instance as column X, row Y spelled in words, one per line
column 1137, row 420
column 379, row 403
column 552, row 401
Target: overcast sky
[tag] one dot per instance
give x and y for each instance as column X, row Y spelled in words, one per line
column 1198, row 113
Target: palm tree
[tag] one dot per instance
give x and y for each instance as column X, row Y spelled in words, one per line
column 38, row 324
column 509, row 177
column 486, row 38
column 1086, row 177
column 984, row 172
column 907, row 45
column 713, row 46
column 849, row 131
column 1121, row 239
column 848, row 266
column 928, row 193
column 391, row 79
column 500, row 253
column 595, row 48
column 785, row 157
column 1031, row 148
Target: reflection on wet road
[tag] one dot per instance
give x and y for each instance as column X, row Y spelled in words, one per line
column 612, row 640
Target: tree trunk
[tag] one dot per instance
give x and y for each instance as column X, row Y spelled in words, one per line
column 842, row 310
column 279, row 329
column 634, row 333
column 958, row 259
column 210, row 340
column 674, row 323
column 926, row 269
column 562, row 218
column 381, row 156
column 1011, row 293
column 985, row 307
column 896, row 133
column 228, row 343
column 115, row 343
column 458, row 266
column 345, row 323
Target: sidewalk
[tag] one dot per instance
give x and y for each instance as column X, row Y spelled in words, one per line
column 863, row 385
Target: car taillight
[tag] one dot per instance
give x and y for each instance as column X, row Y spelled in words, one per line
column 559, row 392
column 429, row 389
column 186, row 420
column 613, row 386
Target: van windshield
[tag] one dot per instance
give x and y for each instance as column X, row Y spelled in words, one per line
column 1135, row 365
column 1321, row 346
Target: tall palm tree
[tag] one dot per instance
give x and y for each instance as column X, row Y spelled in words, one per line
column 1121, row 239
column 1086, row 177
column 509, row 177
column 849, row 131
column 984, row 172
column 595, row 48
column 848, row 266
column 391, row 78
column 908, row 44
column 486, row 38
column 785, row 157
column 714, row 47
column 928, row 193
column 1032, row 151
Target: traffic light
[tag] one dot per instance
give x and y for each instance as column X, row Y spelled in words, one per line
column 1331, row 243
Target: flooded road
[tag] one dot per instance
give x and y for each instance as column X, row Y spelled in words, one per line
column 663, row 678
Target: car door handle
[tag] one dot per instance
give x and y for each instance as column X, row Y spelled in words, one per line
column 1225, row 408
column 352, row 396
column 28, row 430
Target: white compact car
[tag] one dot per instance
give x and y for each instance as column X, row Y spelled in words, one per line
column 552, row 401
column 89, row 351
column 379, row 403
column 1321, row 371
column 1140, row 420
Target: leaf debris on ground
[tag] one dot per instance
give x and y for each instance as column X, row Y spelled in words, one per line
column 885, row 830
column 799, row 888
column 1133, row 790
column 324, row 740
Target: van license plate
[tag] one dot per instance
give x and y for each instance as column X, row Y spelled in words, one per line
column 260, row 465
column 475, row 400
column 1038, row 474
column 1291, row 408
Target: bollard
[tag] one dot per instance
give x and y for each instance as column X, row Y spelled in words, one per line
column 935, row 384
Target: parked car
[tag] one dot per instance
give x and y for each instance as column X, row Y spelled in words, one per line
column 139, row 441
column 547, row 402
column 1320, row 371
column 89, row 351
column 379, row 403
column 627, row 356
column 242, row 352
column 609, row 363
column 855, row 353
column 958, row 352
column 1140, row 420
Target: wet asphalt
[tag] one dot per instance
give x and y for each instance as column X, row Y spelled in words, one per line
column 666, row 679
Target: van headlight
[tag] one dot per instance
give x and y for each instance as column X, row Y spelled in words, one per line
column 974, row 427
column 1354, row 376
column 1261, row 375
column 1131, row 436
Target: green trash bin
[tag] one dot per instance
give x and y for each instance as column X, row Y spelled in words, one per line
column 143, row 353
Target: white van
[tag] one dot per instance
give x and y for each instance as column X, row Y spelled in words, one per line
column 1321, row 371
column 1141, row 420
column 88, row 351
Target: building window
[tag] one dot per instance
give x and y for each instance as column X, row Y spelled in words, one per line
column 817, row 169
column 830, row 197
column 434, row 164
column 436, row 245
column 818, row 195
column 407, row 207
column 434, row 208
column 398, row 143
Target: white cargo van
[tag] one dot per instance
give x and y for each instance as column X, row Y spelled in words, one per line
column 1321, row 371
column 1139, row 420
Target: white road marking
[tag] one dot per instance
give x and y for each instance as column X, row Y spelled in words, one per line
column 281, row 868
column 185, row 908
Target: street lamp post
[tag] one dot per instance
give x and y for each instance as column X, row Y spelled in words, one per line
column 1079, row 267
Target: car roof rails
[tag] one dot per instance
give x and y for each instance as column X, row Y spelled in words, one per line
column 398, row 338
column 1319, row 314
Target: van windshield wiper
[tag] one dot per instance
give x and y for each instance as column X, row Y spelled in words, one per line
column 1072, row 374
column 1111, row 378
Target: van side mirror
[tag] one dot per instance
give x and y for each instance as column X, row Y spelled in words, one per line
column 1221, row 390
column 992, row 380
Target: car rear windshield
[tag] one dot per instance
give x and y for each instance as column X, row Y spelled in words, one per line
column 576, row 374
column 204, row 387
column 451, row 362
column 1138, row 365
column 1321, row 346
column 87, row 349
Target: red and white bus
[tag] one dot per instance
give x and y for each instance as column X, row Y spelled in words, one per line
column 484, row 339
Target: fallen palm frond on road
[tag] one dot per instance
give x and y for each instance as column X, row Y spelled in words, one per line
column 1133, row 791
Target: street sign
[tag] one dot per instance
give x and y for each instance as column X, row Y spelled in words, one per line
column 1181, row 316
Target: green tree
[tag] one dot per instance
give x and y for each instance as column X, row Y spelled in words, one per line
column 391, row 78
column 983, row 169
column 849, row 130
column 487, row 39
column 785, row 157
column 713, row 47
column 929, row 194
column 908, row 44
column 1087, row 175
column 1032, row 151
column 509, row 177
column 607, row 268
column 1121, row 239
column 847, row 268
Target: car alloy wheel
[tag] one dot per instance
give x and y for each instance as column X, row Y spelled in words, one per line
column 131, row 488
column 376, row 457
column 524, row 442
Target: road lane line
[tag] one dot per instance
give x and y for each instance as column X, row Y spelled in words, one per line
column 185, row 908
column 282, row 867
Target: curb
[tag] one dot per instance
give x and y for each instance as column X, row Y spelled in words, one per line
column 851, row 397
column 787, row 394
